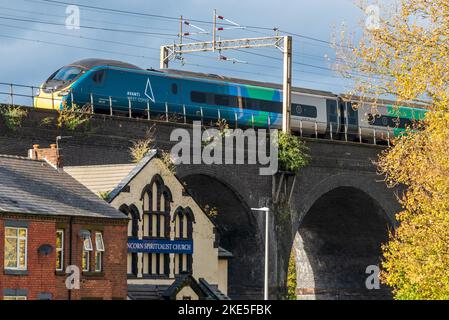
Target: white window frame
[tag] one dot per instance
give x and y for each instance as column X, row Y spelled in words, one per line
column 99, row 243
column 99, row 256
column 60, row 249
column 18, row 237
column 87, row 243
column 99, row 246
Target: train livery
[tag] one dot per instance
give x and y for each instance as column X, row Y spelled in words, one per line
column 116, row 87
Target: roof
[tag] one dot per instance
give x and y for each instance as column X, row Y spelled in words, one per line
column 146, row 291
column 202, row 288
column 34, row 187
column 100, row 178
column 93, row 62
column 134, row 172
column 212, row 290
column 245, row 81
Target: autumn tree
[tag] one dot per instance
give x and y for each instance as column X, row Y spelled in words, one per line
column 404, row 55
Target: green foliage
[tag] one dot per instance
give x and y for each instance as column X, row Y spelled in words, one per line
column 292, row 153
column 291, row 277
column 73, row 117
column 13, row 116
column 47, row 121
column 141, row 147
column 212, row 212
column 104, row 195
column 168, row 161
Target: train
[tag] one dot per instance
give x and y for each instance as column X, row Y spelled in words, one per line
column 116, row 87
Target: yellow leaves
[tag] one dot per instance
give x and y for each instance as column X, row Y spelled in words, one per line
column 416, row 260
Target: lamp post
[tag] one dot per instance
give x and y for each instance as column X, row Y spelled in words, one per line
column 267, row 211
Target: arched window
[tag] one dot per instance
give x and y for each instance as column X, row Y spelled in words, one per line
column 133, row 232
column 156, row 198
column 183, row 219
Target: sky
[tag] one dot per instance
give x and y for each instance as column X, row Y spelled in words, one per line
column 34, row 41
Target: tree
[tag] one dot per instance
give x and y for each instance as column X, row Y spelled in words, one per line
column 291, row 277
column 406, row 57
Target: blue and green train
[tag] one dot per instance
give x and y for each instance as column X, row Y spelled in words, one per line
column 116, row 87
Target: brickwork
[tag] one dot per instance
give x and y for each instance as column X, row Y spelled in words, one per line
column 41, row 276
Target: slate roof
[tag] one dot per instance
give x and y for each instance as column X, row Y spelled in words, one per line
column 146, row 291
column 202, row 288
column 134, row 172
column 34, row 187
column 100, row 178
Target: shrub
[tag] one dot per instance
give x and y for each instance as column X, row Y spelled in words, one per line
column 292, row 153
column 13, row 116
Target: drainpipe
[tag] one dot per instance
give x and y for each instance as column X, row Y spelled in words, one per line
column 70, row 249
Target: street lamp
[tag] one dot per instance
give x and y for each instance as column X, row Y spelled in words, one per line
column 266, row 210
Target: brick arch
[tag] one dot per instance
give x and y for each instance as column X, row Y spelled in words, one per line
column 337, row 238
column 238, row 231
column 366, row 183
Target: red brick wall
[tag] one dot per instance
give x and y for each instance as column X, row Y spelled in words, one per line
column 41, row 274
column 110, row 284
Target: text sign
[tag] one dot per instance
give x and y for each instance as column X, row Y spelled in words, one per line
column 161, row 246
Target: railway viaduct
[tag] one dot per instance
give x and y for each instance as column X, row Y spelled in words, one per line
column 338, row 215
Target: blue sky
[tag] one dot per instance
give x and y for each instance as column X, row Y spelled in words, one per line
column 31, row 62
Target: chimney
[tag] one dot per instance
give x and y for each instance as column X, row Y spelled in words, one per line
column 50, row 155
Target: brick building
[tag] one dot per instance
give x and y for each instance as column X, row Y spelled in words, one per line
column 49, row 221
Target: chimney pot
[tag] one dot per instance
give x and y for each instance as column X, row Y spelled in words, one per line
column 35, row 146
column 53, row 146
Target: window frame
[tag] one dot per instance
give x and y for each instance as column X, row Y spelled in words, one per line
column 99, row 249
column 99, row 237
column 18, row 238
column 98, row 261
column 61, row 249
column 87, row 253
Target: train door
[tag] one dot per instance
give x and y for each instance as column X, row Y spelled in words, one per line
column 351, row 116
column 99, row 98
column 174, row 99
column 333, row 116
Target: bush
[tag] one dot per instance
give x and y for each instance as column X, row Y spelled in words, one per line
column 72, row 118
column 13, row 116
column 292, row 153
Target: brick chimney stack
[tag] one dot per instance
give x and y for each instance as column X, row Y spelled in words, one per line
column 50, row 155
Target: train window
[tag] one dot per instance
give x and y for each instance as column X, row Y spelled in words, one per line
column 389, row 121
column 304, row 110
column 66, row 74
column 198, row 97
column 98, row 77
column 174, row 88
column 222, row 100
column 262, row 105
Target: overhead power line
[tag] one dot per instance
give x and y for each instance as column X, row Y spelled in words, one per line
column 90, row 27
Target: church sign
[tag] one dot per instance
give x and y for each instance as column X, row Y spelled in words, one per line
column 161, row 246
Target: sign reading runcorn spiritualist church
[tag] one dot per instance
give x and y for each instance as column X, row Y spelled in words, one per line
column 161, row 246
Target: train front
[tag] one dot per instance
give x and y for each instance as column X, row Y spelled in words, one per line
column 55, row 91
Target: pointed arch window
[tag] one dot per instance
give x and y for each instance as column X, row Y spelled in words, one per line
column 183, row 219
column 156, row 198
column 133, row 233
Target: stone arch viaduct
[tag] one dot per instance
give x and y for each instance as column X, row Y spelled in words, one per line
column 338, row 215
